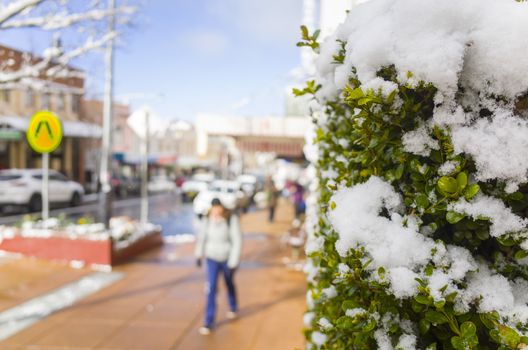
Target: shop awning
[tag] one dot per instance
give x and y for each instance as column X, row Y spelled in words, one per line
column 69, row 128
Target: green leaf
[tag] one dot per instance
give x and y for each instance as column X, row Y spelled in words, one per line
column 355, row 94
column 399, row 172
column 422, row 201
column 333, row 205
column 521, row 254
column 453, row 217
column 344, row 322
column 439, row 304
column 468, row 328
column 471, row 191
column 429, row 269
column 369, row 326
column 349, row 304
column 435, row 317
column 461, row 180
column 487, row 320
column 423, row 299
column 459, row 343
column 373, row 142
column 447, row 185
column 304, row 32
column 424, row 326
column 509, row 336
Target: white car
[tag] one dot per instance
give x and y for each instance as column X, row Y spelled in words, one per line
column 191, row 188
column 160, row 184
column 249, row 183
column 23, row 187
column 229, row 193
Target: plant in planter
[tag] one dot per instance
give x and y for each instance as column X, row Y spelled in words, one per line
column 421, row 235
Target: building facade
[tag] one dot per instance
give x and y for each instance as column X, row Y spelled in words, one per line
column 21, row 98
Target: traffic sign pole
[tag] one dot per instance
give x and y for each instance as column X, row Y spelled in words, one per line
column 45, row 186
column 44, row 135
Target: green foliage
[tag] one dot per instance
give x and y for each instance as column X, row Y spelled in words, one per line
column 309, row 40
column 373, row 124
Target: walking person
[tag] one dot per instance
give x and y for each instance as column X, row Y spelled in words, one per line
column 272, row 198
column 298, row 200
column 220, row 243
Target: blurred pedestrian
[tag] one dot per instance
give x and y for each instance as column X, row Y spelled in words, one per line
column 272, row 198
column 298, row 200
column 220, row 243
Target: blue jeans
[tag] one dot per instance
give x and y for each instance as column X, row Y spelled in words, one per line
column 213, row 270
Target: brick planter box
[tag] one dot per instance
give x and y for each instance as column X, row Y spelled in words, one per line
column 89, row 251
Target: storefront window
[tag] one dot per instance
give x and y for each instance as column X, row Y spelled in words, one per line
column 76, row 103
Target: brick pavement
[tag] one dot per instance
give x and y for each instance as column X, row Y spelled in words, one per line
column 159, row 303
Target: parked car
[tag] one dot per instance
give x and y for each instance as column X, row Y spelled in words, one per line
column 23, row 187
column 198, row 183
column 124, row 186
column 228, row 192
column 248, row 183
column 161, row 183
column 191, row 188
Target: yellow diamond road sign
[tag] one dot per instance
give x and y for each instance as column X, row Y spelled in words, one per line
column 44, row 133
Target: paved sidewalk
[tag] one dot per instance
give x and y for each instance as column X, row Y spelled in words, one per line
column 159, row 303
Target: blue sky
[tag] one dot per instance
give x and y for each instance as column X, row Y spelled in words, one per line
column 214, row 56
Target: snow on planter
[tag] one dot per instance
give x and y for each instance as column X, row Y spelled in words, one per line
column 420, row 146
column 81, row 243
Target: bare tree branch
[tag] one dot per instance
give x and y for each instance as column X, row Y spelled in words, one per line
column 15, row 8
column 63, row 20
column 54, row 61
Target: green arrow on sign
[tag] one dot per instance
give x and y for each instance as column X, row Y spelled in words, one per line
column 50, row 133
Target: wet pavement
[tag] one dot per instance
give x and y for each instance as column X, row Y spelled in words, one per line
column 166, row 210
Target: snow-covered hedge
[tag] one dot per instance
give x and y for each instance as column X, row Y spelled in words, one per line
column 421, row 138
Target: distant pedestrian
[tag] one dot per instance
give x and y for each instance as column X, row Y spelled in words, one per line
column 220, row 243
column 272, row 198
column 298, row 200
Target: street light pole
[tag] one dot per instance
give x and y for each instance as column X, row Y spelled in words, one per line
column 105, row 173
column 144, row 170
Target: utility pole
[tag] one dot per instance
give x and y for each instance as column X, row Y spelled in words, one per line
column 144, row 169
column 105, row 196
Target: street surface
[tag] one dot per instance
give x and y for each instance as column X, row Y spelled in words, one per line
column 167, row 210
column 158, row 302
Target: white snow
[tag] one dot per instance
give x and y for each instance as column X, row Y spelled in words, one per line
column 318, row 338
column 356, row 218
column 330, row 292
column 419, row 142
column 499, row 147
column 503, row 220
column 447, row 168
column 403, row 282
column 383, row 340
column 355, row 312
column 308, row 318
column 407, row 342
column 324, row 323
column 464, row 43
